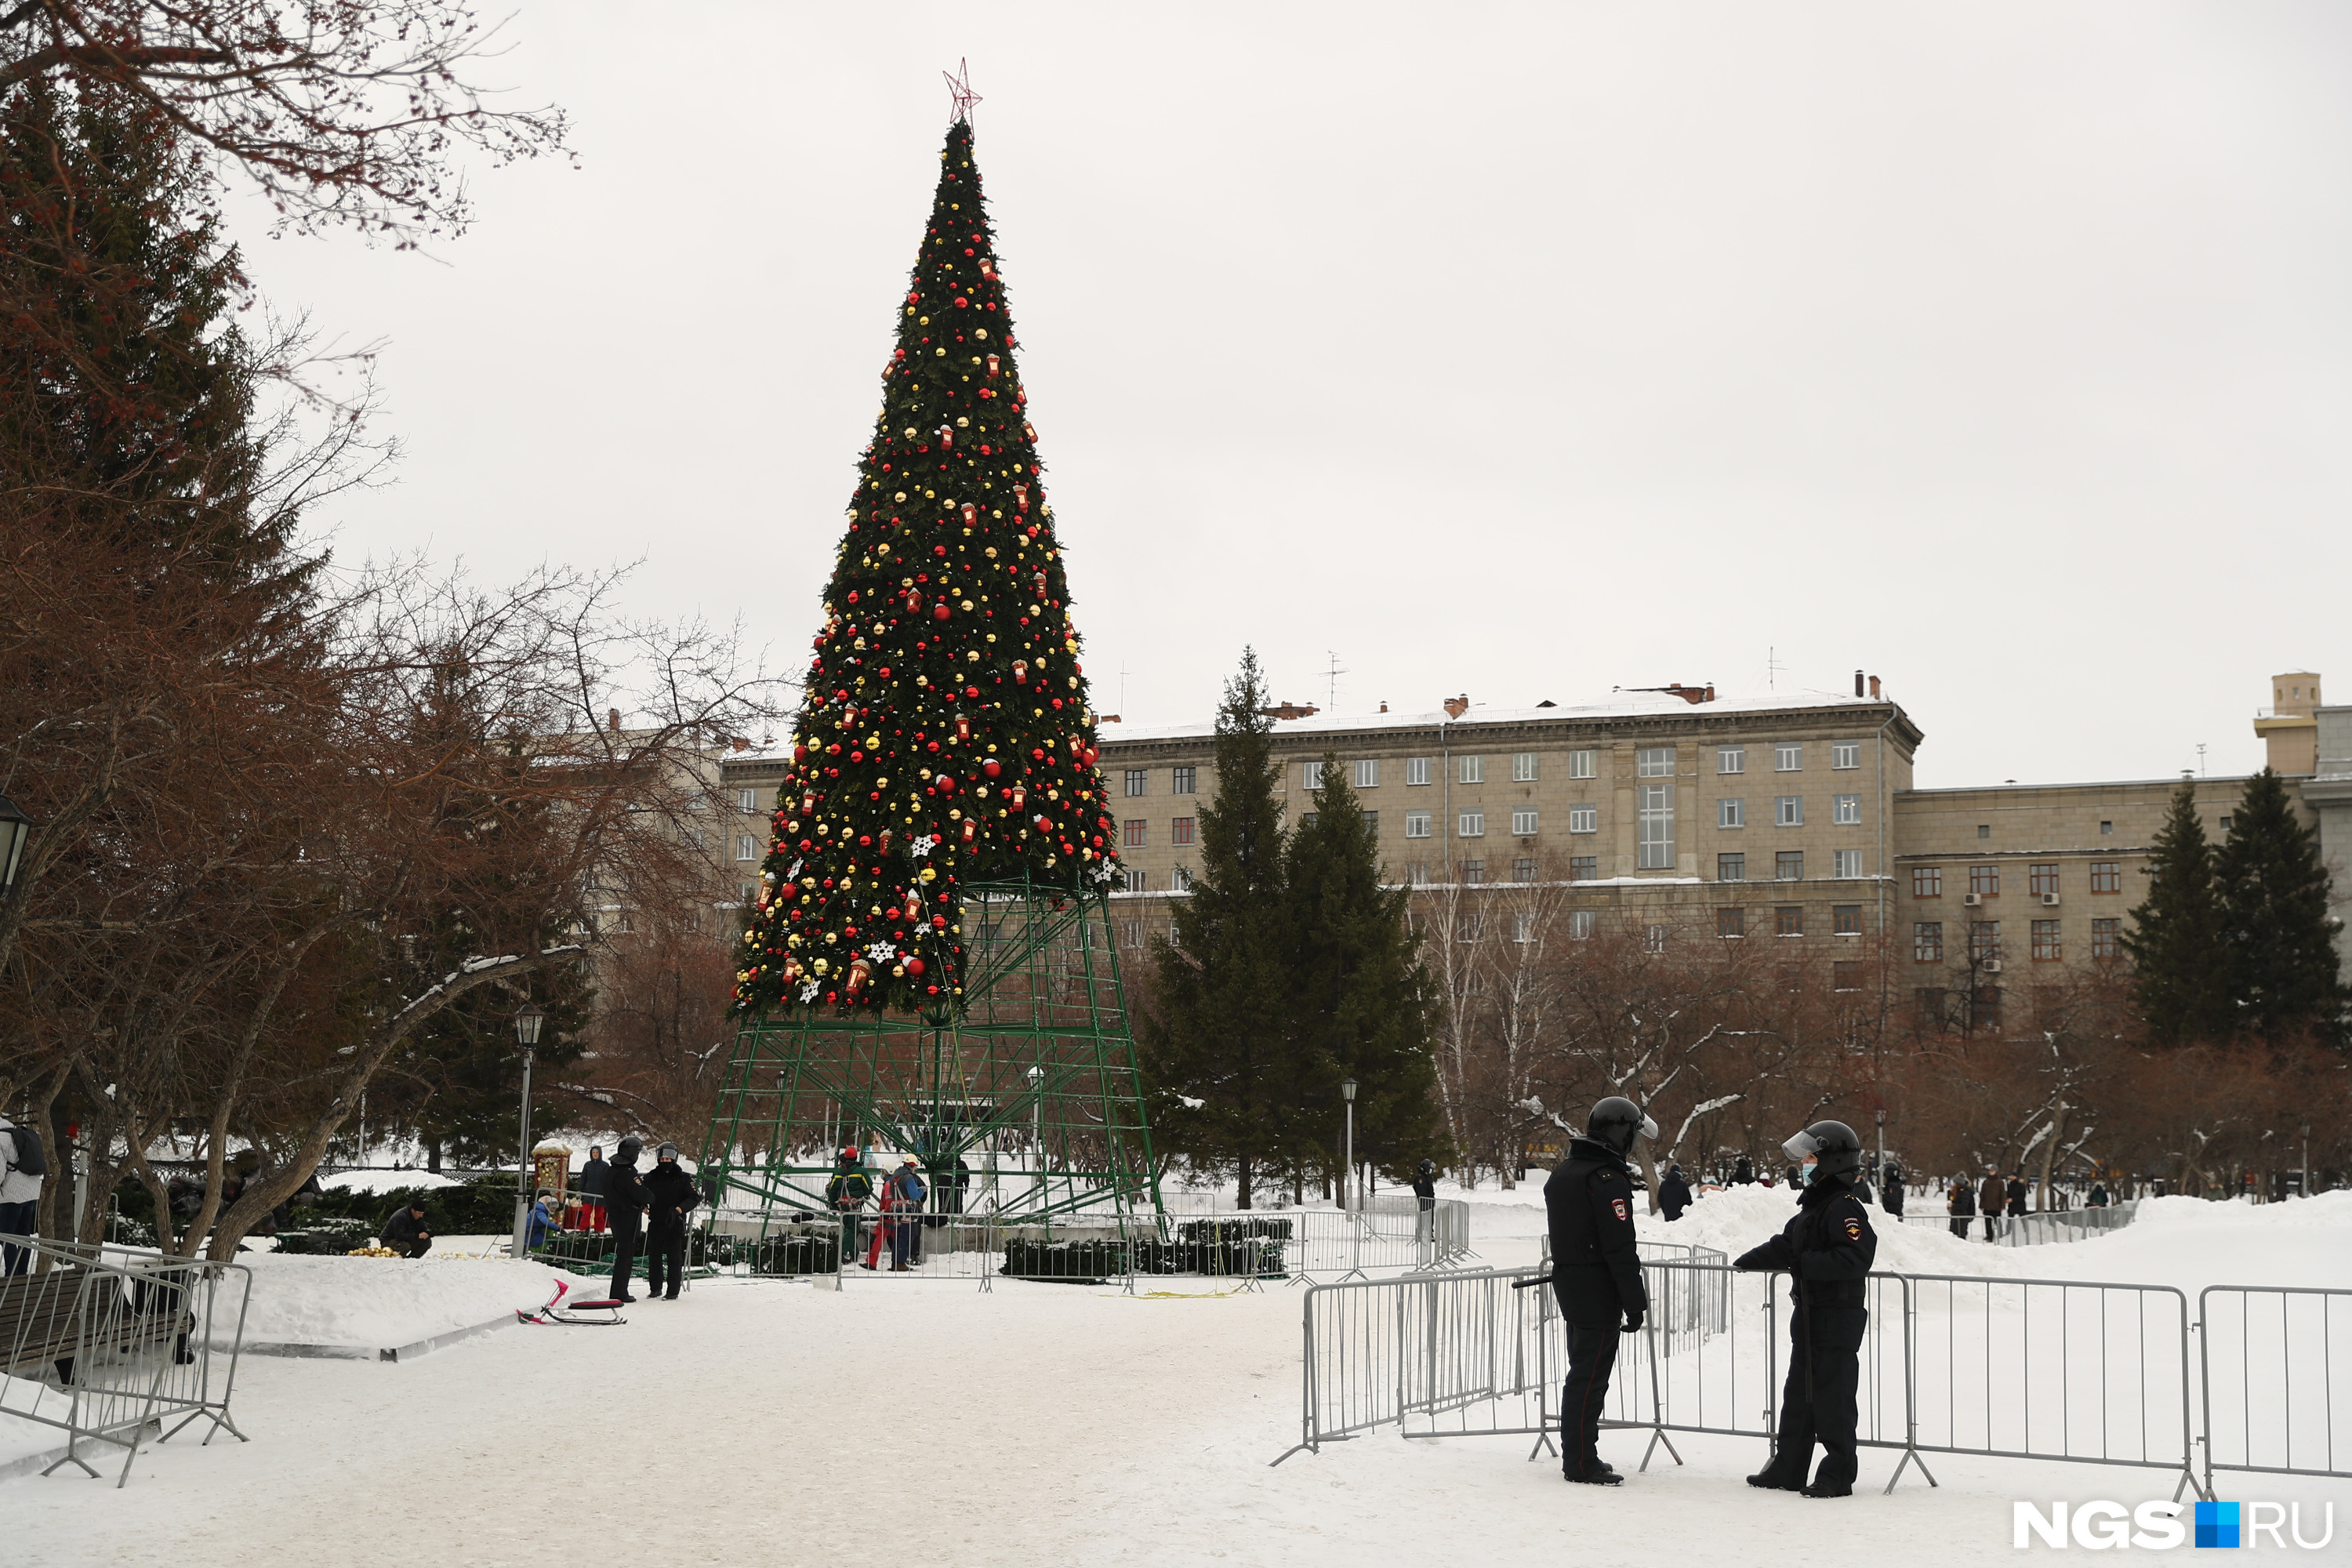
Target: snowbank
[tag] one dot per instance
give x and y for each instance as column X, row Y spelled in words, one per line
column 374, row 1302
column 375, row 1179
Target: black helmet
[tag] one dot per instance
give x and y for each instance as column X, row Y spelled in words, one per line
column 1428, row 1167
column 666, row 1152
column 1616, row 1121
column 626, row 1153
column 1835, row 1150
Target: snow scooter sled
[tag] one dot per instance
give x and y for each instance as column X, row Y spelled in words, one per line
column 560, row 1310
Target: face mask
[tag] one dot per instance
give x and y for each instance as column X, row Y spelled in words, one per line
column 1805, row 1174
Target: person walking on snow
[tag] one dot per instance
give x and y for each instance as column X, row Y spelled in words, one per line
column 592, row 1190
column 1961, row 1202
column 624, row 1209
column 1826, row 1251
column 1596, row 1273
column 669, row 1194
column 1673, row 1193
column 1990, row 1195
column 906, row 1185
column 1890, row 1191
column 2016, row 1206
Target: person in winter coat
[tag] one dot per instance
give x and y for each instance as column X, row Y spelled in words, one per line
column 624, row 1210
column 2016, row 1197
column 540, row 1224
column 1743, row 1174
column 1673, row 1193
column 1826, row 1251
column 1890, row 1191
column 1596, row 1273
column 1425, row 1200
column 592, row 1190
column 846, row 1194
column 2098, row 1198
column 1990, row 1195
column 405, row 1232
column 669, row 1196
column 903, row 1194
column 22, row 1165
column 1961, row 1202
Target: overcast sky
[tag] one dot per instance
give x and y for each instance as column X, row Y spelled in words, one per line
column 2000, row 349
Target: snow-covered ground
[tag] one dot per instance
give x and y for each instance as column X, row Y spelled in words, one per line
column 930, row 1422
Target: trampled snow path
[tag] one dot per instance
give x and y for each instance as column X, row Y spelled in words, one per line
column 931, row 1423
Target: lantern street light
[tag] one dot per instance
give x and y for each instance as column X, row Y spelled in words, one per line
column 2304, row 1181
column 1347, row 1093
column 527, row 1024
column 1036, row 1076
column 13, row 827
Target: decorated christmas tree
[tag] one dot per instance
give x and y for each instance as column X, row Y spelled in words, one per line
column 946, row 740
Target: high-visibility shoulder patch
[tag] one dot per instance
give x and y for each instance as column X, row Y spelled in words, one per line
column 1619, row 1204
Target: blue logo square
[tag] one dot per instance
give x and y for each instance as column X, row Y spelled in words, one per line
column 2217, row 1524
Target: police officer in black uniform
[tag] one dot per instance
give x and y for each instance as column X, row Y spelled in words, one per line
column 1595, row 1273
column 1826, row 1251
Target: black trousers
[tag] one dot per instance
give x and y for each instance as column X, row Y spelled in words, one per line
column 627, row 1228
column 1591, row 1357
column 1817, row 1401
column 664, row 1246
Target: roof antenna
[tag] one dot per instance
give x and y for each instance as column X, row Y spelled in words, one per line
column 1331, row 690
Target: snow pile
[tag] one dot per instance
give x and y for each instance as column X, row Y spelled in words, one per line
column 375, row 1179
column 376, row 1302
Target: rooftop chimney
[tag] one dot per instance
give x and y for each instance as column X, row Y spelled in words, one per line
column 1873, row 686
column 1858, row 683
column 612, row 719
column 1457, row 706
column 1287, row 709
column 1384, row 707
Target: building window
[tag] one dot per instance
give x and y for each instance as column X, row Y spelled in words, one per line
column 1417, row 874
column 1583, row 867
column 751, row 892
column 1927, row 942
column 1845, row 920
column 1522, row 824
column 1309, row 819
column 2045, row 941
column 1583, row 819
column 1984, row 940
column 1523, row 767
column 1471, row 770
column 1416, row 825
column 1138, row 881
column 1845, row 810
column 1655, row 762
column 1731, row 922
column 2107, row 827
column 1788, row 759
column 1523, row 927
column 2225, row 823
column 1367, row 773
column 1845, row 753
column 1927, row 881
column 1654, row 939
column 1372, row 820
column 1180, row 831
column 1580, row 923
column 1731, row 814
column 1135, row 833
column 746, row 801
column 1984, row 830
column 1182, row 781
column 1656, row 825
column 1130, row 935
column 2044, row 880
column 746, row 847
column 1927, row 1008
column 1311, row 774
column 1846, row 863
column 1523, row 868
column 1581, row 764
column 1984, row 881
column 1416, row 769
column 1731, row 868
column 1138, row 781
column 1788, row 865
column 1789, row 920
column 1985, row 1009
column 2106, row 876
column 1474, row 873
column 1180, row 881
column 1731, row 759
column 1845, row 975
column 1789, row 811
column 1472, row 825
column 2107, row 939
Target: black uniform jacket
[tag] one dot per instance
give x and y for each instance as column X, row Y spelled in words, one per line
column 624, row 1193
column 671, row 1193
column 401, row 1227
column 1595, row 1271
column 1828, row 1248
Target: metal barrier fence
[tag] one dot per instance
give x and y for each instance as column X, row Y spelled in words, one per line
column 2030, row 1229
column 2275, row 1348
column 108, row 1346
column 1250, row 1245
column 2010, row 1368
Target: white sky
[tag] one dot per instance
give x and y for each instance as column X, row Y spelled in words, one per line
column 2000, row 349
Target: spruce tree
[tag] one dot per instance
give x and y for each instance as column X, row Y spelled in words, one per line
column 2279, row 940
column 945, row 737
column 2180, row 982
column 1214, row 1054
column 1360, row 998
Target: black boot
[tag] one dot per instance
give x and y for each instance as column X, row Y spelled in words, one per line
column 1769, row 1478
column 1593, row 1473
column 1835, row 1477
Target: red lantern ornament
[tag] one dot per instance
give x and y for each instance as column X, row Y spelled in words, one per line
column 1019, row 794
column 1021, row 497
column 808, row 804
column 791, row 970
column 1020, row 672
column 988, row 269
column 1038, row 581
column 971, row 514
column 963, row 729
column 991, row 364
column 886, row 841
column 914, row 905
column 971, row 833
column 946, row 435
column 859, row 973
column 1029, row 430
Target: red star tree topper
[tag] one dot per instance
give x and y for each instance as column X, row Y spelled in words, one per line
column 946, row 738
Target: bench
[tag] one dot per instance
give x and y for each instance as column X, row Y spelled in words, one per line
column 45, row 1320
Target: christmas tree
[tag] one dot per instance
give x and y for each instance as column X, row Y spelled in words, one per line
column 2278, row 939
column 2181, row 985
column 946, row 740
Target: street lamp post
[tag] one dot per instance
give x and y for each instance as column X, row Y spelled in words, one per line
column 1347, row 1093
column 1036, row 1130
column 2303, row 1182
column 527, row 1023
column 1881, row 1148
